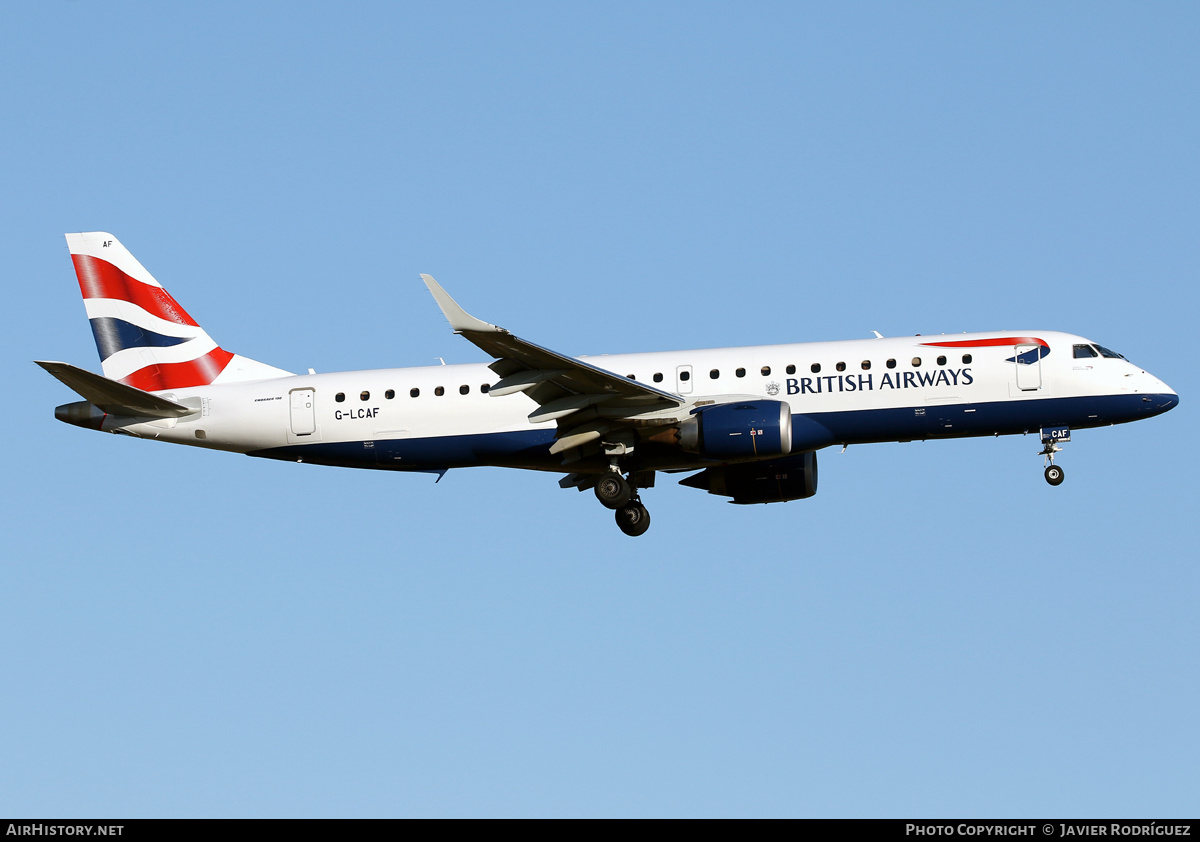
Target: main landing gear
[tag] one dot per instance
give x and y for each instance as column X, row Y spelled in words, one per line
column 1051, row 438
column 619, row 494
column 633, row 520
column 614, row 491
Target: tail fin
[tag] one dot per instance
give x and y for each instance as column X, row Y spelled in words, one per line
column 145, row 339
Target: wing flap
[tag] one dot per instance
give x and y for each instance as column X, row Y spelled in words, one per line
column 522, row 381
column 562, row 407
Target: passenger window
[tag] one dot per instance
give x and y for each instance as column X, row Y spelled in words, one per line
column 439, row 391
column 389, row 394
column 841, row 366
column 365, row 396
column 891, row 363
column 714, row 374
column 766, row 371
column 484, row 388
column 741, row 372
column 414, row 393
column 462, row 390
column 339, row 397
column 1084, row 351
column 916, row 362
column 941, row 360
column 685, row 376
column 866, row 365
column 815, row 368
column 791, row 369
column 967, row 359
column 658, row 377
column 631, row 377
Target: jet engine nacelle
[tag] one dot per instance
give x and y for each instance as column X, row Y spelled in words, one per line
column 774, row 481
column 741, row 430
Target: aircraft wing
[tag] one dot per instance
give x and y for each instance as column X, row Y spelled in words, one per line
column 587, row 401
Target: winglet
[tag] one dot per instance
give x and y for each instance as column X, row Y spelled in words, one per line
column 460, row 320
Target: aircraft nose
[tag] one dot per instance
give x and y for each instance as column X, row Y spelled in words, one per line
column 1160, row 401
column 1160, row 396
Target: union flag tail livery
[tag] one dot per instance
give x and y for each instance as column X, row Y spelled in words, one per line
column 145, row 339
column 745, row 423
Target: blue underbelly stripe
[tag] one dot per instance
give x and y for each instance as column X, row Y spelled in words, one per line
column 528, row 449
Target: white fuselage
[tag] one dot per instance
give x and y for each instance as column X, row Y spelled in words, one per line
column 890, row 389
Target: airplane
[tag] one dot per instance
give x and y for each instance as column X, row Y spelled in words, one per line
column 744, row 423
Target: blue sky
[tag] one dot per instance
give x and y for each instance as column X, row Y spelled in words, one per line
column 936, row 633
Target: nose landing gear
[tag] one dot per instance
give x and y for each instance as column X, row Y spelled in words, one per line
column 1051, row 437
column 1055, row 475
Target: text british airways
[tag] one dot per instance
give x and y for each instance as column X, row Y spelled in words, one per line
column 889, row 380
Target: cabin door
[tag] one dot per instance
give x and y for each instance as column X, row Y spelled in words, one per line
column 1029, row 367
column 304, row 413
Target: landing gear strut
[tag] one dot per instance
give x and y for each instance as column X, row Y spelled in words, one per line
column 1051, row 437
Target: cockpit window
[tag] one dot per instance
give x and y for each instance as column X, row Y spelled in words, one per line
column 1084, row 351
column 1104, row 352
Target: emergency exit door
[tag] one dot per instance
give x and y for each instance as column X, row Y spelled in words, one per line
column 683, row 379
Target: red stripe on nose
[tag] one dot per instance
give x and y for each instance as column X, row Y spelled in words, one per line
column 988, row 343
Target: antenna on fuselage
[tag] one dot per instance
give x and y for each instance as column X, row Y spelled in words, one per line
column 878, row 335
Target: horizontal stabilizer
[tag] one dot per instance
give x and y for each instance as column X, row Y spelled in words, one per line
column 113, row 397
